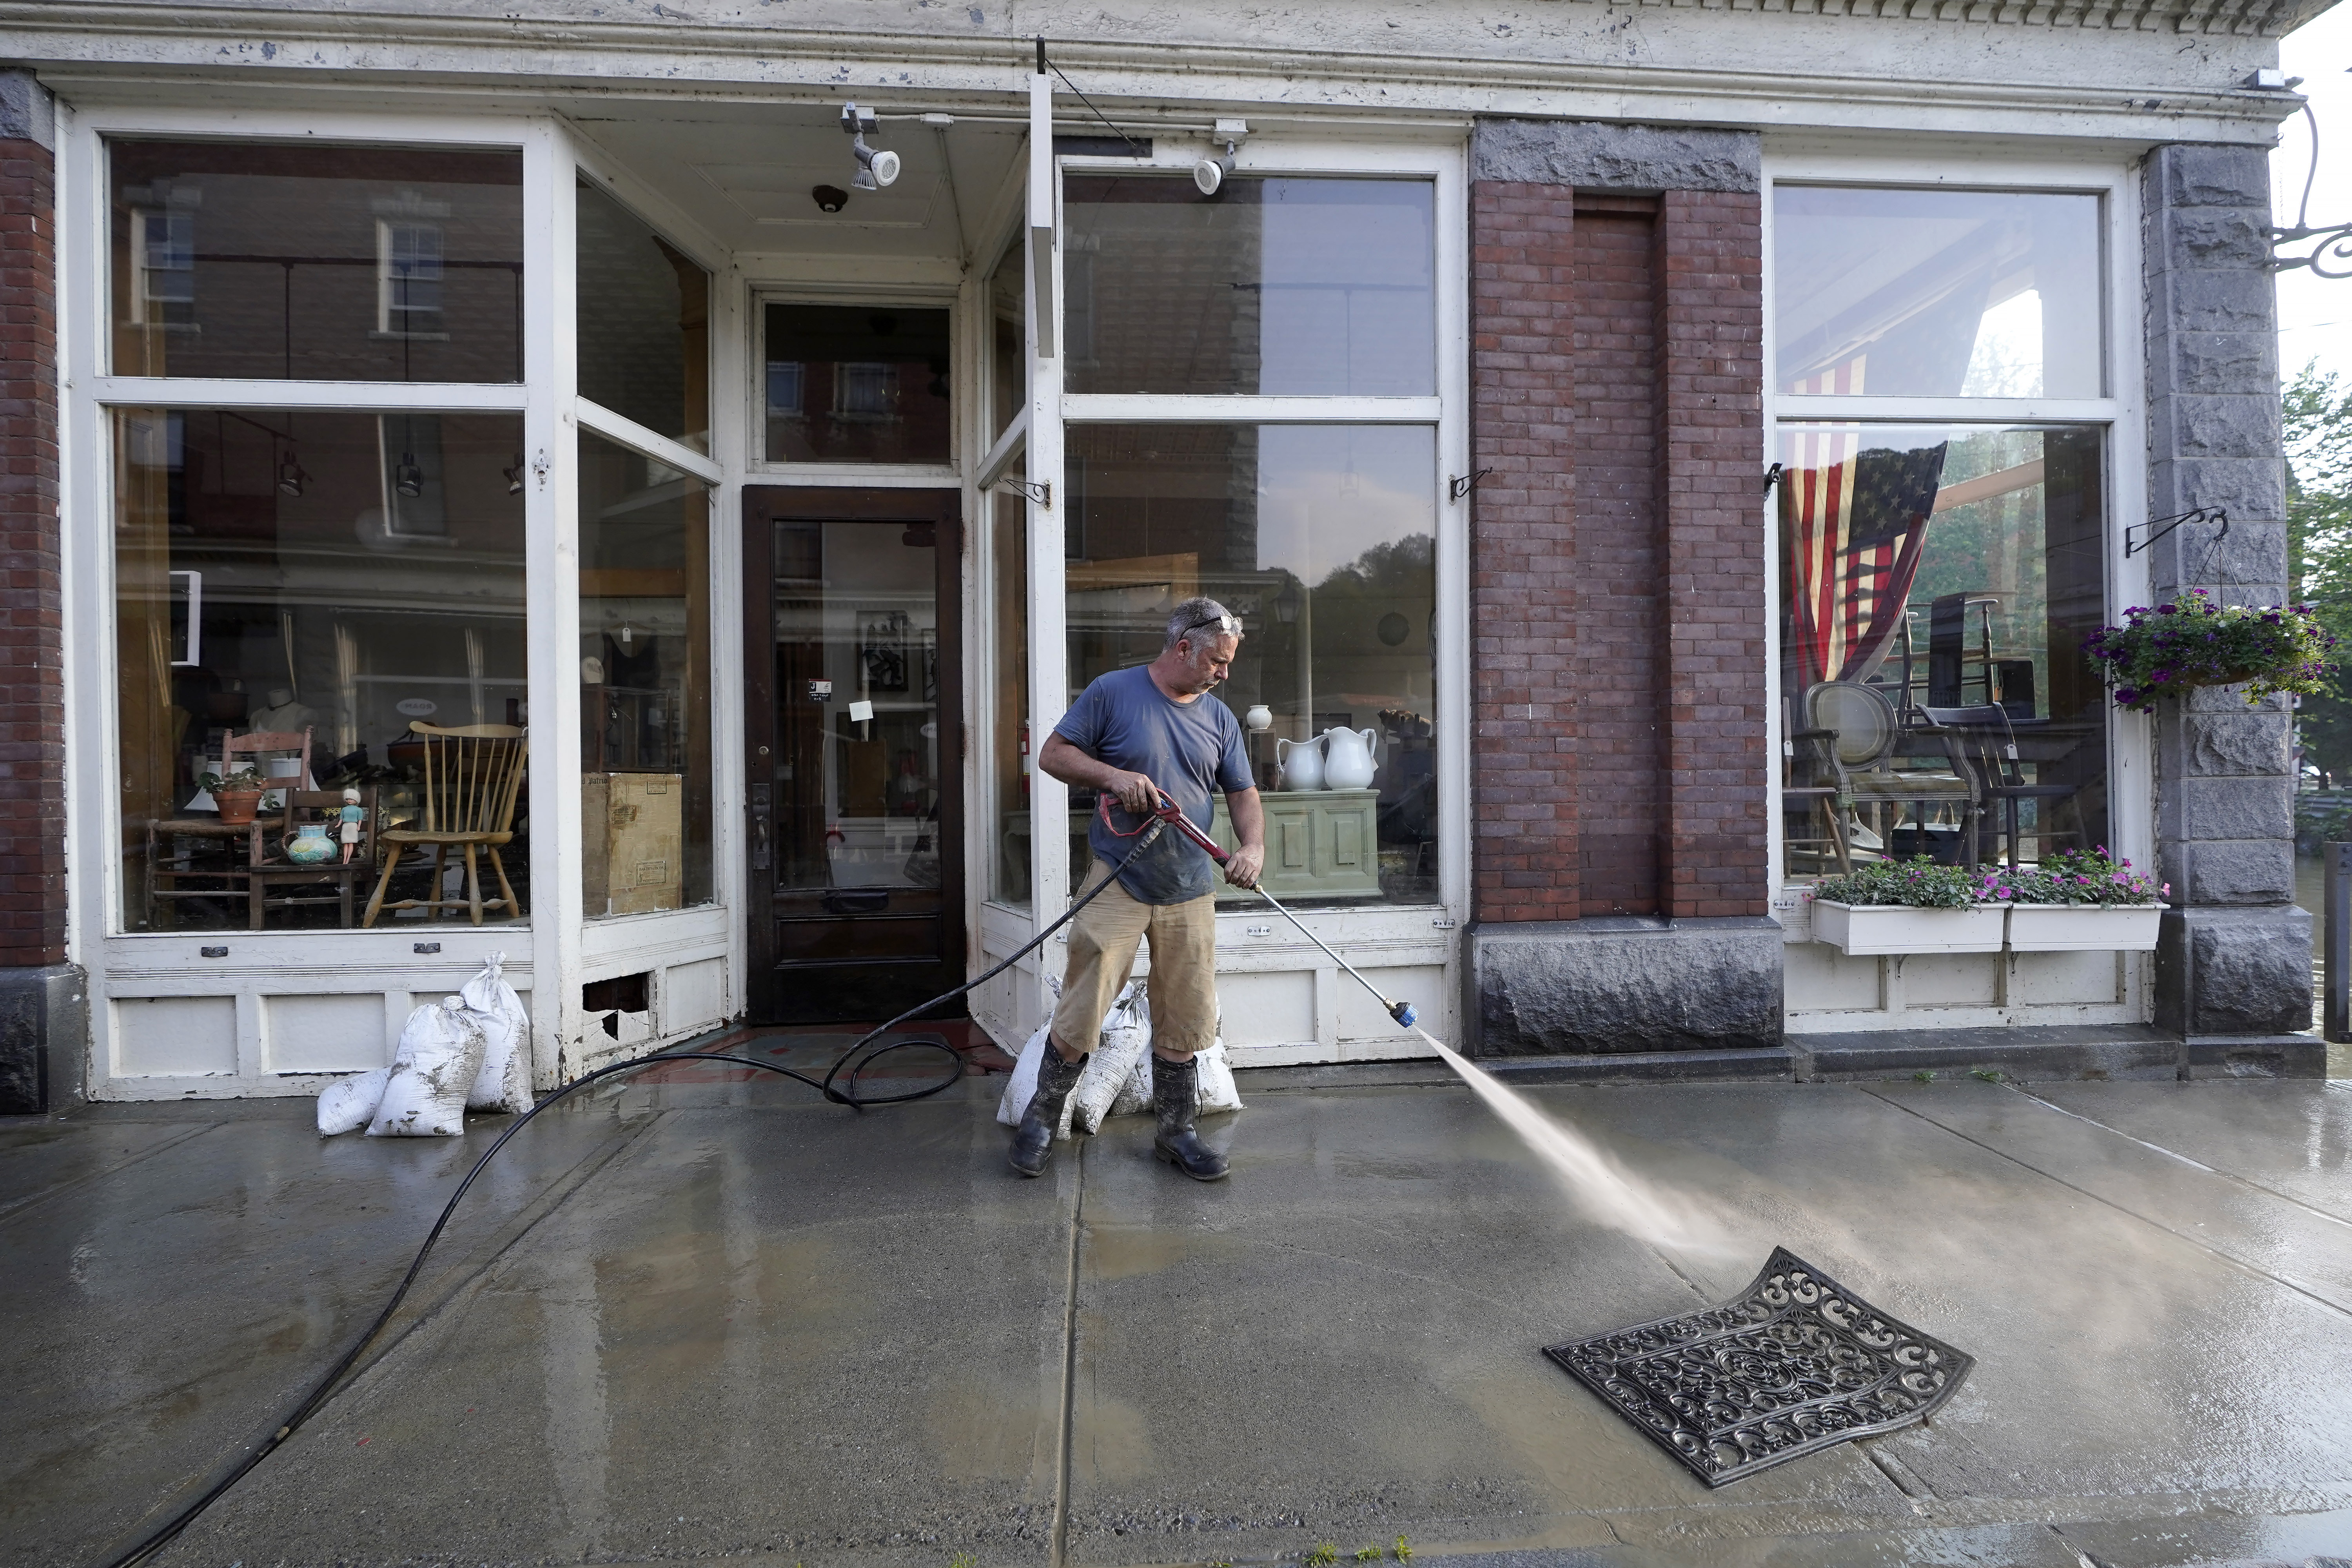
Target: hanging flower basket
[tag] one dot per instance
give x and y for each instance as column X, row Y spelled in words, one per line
column 2189, row 641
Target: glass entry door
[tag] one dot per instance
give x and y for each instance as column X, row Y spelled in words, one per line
column 853, row 732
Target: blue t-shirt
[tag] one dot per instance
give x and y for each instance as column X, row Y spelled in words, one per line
column 1188, row 749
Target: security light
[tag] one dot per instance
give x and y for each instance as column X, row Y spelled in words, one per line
column 1210, row 173
column 875, row 170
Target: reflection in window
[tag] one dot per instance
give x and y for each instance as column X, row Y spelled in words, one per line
column 275, row 259
column 1323, row 539
column 645, row 683
column 274, row 613
column 1940, row 582
column 1274, row 286
column 1897, row 293
column 1008, row 341
column 644, row 314
column 852, row 383
column 1009, row 625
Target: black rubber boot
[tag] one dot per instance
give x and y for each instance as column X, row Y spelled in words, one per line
column 1032, row 1140
column 1172, row 1090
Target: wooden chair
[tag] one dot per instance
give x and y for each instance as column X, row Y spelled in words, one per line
column 260, row 745
column 274, row 870
column 1851, row 738
column 473, row 775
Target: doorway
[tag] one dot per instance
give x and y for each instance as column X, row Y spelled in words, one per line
column 853, row 730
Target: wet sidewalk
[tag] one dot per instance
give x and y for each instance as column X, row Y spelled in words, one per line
column 711, row 1318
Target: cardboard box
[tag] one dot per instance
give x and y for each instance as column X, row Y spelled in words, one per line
column 635, row 863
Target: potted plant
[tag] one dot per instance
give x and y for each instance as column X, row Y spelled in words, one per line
column 2190, row 641
column 2078, row 901
column 238, row 795
column 1907, row 906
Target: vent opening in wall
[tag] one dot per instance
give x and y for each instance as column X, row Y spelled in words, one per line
column 622, row 1006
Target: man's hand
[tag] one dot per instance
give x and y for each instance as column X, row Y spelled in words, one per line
column 1244, row 866
column 1135, row 790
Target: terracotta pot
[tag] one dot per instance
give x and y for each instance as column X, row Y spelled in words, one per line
column 236, row 806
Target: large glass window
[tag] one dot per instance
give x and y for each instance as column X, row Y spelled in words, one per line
column 644, row 314
column 857, row 384
column 1323, row 539
column 645, row 683
column 1293, row 287
column 1938, row 585
column 1896, row 294
column 1009, row 629
column 316, row 600
column 283, row 261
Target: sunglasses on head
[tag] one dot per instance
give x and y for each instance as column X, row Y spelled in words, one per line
column 1226, row 622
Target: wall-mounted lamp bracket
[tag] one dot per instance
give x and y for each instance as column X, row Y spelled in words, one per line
column 2159, row 527
column 1038, row 490
column 2331, row 244
column 1461, row 485
column 1772, row 476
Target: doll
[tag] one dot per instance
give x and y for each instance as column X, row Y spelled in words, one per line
column 352, row 815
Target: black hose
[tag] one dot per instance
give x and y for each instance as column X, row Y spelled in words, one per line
column 322, row 1391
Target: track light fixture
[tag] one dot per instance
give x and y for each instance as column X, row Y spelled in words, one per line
column 1210, row 173
column 875, row 169
column 514, row 476
column 407, row 477
column 292, row 480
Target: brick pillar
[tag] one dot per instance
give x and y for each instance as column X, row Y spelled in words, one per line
column 1617, row 602
column 43, row 1033
column 1711, row 335
column 2233, row 961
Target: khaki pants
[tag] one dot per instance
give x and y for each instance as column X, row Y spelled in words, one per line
column 1183, row 980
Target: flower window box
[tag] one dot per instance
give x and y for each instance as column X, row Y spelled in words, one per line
column 1866, row 930
column 2084, row 928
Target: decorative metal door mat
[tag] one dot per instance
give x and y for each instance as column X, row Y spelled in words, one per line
column 1797, row 1363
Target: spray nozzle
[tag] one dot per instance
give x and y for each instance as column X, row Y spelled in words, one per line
column 1403, row 1014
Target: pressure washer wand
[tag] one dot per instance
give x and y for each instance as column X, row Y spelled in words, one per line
column 1173, row 815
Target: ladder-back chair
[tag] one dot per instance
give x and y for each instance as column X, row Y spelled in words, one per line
column 262, row 745
column 473, row 775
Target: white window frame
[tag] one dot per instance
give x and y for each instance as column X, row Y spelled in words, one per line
column 759, row 469
column 2120, row 414
column 1383, row 933
column 549, row 954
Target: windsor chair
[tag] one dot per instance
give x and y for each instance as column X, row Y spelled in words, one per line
column 473, row 775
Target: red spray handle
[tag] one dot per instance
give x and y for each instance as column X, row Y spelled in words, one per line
column 1173, row 815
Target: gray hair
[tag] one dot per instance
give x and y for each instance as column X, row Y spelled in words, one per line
column 1200, row 614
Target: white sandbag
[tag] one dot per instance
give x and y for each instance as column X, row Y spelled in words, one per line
column 504, row 1082
column 1213, row 1079
column 349, row 1103
column 440, row 1055
column 1024, row 1082
column 1108, row 1087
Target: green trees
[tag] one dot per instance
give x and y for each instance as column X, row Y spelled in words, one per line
column 2317, row 410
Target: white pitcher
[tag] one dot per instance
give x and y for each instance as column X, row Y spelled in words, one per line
column 1301, row 763
column 1347, row 759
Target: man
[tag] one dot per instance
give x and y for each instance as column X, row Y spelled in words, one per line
column 1131, row 736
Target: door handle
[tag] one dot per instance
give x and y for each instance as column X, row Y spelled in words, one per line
column 763, row 856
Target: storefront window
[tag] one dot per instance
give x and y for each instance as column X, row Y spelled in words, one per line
column 1009, row 863
column 1296, row 287
column 1008, row 343
column 1895, row 293
column 1322, row 538
column 857, row 384
column 277, row 260
column 644, row 314
column 645, row 683
column 1938, row 585
column 330, row 602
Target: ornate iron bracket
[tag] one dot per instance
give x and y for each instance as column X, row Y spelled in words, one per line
column 2159, row 527
column 1461, row 485
column 2331, row 245
column 1038, row 490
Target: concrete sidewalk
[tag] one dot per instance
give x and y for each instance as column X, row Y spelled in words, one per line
column 712, row 1319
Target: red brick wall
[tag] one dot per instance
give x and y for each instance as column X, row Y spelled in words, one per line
column 1617, row 574
column 1620, row 665
column 32, row 732
column 1523, row 579
column 1711, row 333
